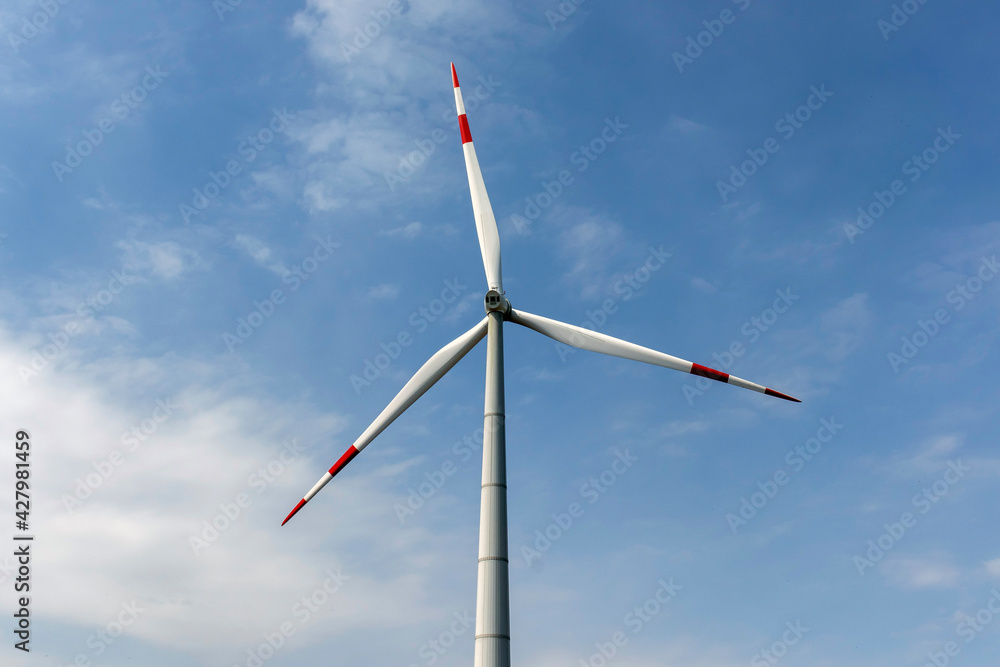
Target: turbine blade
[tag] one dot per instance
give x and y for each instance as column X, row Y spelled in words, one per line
column 486, row 224
column 586, row 339
column 432, row 371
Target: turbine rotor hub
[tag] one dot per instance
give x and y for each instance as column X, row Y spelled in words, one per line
column 495, row 301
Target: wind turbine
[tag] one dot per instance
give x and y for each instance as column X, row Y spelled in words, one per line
column 493, row 602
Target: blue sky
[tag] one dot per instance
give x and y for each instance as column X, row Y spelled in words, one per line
column 215, row 214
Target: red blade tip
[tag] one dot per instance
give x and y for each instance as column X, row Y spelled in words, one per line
column 454, row 75
column 292, row 513
column 778, row 394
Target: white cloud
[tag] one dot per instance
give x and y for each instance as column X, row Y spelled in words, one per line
column 915, row 573
column 930, row 457
column 686, row 126
column 820, row 254
column 383, row 292
column 588, row 243
column 166, row 259
column 963, row 248
column 703, row 285
column 846, row 326
column 130, row 538
column 409, row 231
column 748, row 212
column 260, row 253
column 676, row 428
column 320, row 198
column 373, row 106
column 323, row 134
column 655, row 652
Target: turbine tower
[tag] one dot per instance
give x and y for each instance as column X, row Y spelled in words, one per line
column 493, row 600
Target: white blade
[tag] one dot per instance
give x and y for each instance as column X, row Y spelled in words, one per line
column 586, row 339
column 486, row 224
column 432, row 371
